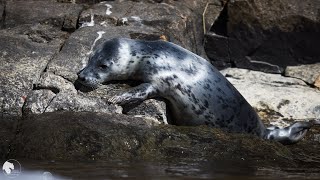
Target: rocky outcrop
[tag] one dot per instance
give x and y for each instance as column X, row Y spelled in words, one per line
column 45, row 83
column 282, row 99
column 265, row 35
column 2, row 12
column 317, row 82
column 43, row 48
column 308, row 73
column 61, row 15
column 112, row 137
column 97, row 136
column 24, row 55
column 8, row 127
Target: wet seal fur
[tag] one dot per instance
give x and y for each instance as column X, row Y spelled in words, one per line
column 196, row 91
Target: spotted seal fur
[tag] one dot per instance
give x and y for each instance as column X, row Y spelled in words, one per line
column 196, row 91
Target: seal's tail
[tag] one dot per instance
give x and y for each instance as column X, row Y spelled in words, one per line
column 291, row 134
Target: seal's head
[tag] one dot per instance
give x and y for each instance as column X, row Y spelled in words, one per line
column 106, row 63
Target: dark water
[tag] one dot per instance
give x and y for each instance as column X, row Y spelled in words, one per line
column 43, row 170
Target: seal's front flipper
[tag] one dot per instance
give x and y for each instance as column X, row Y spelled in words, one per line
column 134, row 95
column 289, row 135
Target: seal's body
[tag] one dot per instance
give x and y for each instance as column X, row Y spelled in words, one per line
column 197, row 92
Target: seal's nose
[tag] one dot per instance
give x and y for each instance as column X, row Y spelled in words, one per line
column 81, row 77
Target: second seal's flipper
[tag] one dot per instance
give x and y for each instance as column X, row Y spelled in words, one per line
column 288, row 135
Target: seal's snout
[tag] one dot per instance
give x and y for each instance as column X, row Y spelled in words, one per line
column 81, row 76
column 83, row 83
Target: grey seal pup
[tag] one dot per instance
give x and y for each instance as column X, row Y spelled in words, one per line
column 197, row 92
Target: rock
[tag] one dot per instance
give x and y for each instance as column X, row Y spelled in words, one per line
column 317, row 82
column 277, row 98
column 7, row 134
column 22, row 60
column 53, row 93
column 265, row 35
column 308, row 73
column 78, row 103
column 55, row 83
column 69, row 135
column 61, row 15
column 98, row 136
column 1, row 14
column 206, row 12
column 81, row 1
column 38, row 101
column 177, row 21
column 151, row 108
column 216, row 48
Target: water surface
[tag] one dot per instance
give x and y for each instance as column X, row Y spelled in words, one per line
column 39, row 170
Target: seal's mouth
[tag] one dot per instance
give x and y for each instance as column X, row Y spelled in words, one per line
column 84, row 86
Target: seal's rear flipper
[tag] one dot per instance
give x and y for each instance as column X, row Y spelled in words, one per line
column 289, row 135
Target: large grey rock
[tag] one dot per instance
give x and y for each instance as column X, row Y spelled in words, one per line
column 280, row 99
column 22, row 60
column 265, row 35
column 179, row 22
column 308, row 73
column 61, row 15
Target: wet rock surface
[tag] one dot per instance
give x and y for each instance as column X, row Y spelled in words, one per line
column 99, row 136
column 8, row 128
column 43, row 48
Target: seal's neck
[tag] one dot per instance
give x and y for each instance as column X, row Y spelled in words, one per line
column 129, row 61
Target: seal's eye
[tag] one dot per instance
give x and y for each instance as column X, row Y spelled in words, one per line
column 103, row 66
